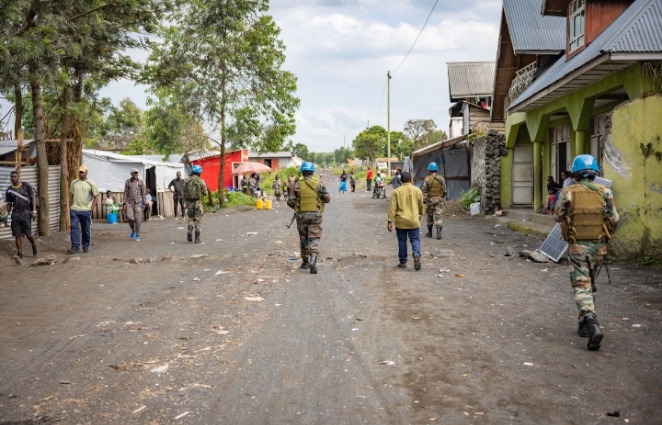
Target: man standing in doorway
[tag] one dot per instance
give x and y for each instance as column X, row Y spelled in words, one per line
column 22, row 204
column 134, row 202
column 194, row 191
column 176, row 186
column 368, row 179
column 434, row 191
column 406, row 210
column 83, row 197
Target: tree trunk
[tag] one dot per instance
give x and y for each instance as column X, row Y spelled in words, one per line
column 64, row 187
column 221, row 175
column 42, row 160
column 18, row 122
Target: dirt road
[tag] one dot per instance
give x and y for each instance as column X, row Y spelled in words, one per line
column 241, row 336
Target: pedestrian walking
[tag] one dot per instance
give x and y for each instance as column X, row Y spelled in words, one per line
column 406, row 210
column 194, row 191
column 368, row 179
column 134, row 203
column 397, row 179
column 147, row 211
column 352, row 181
column 176, row 186
column 588, row 217
column 83, row 197
column 434, row 191
column 21, row 203
column 343, row 182
column 308, row 202
column 277, row 186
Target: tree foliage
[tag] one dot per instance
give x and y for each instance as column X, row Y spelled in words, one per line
column 370, row 143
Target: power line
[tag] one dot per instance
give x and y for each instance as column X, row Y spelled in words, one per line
column 417, row 37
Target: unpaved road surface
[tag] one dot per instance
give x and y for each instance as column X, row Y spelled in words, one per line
column 241, row 336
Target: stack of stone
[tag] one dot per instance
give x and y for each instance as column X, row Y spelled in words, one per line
column 486, row 169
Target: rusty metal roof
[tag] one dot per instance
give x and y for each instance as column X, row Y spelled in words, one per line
column 531, row 31
column 470, row 79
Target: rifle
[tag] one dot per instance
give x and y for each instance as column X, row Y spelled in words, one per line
column 294, row 217
column 607, row 267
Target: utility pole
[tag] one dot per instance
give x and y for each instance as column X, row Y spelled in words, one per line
column 388, row 125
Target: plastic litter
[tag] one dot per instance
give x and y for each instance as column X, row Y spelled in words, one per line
column 254, row 298
column 388, row 363
column 528, row 364
column 160, row 369
column 138, row 410
column 182, row 415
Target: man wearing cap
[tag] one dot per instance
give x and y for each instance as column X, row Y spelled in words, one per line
column 134, row 201
column 83, row 197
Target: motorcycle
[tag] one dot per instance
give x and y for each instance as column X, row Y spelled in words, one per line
column 380, row 191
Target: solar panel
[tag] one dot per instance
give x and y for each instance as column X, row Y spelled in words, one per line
column 554, row 246
column 603, row 181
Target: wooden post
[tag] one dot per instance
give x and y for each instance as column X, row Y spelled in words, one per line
column 18, row 154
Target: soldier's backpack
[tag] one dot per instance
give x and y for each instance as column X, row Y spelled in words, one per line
column 586, row 219
column 193, row 189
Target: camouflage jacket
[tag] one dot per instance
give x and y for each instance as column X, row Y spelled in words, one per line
column 565, row 200
column 427, row 185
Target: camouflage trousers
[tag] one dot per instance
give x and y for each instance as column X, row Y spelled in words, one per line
column 195, row 213
column 585, row 259
column 309, row 226
column 433, row 208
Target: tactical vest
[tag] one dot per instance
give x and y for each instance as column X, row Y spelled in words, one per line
column 586, row 219
column 309, row 197
column 436, row 188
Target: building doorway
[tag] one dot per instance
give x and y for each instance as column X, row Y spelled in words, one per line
column 523, row 175
column 560, row 143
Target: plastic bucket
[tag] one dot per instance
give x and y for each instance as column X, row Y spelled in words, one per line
column 259, row 204
column 112, row 218
column 267, row 204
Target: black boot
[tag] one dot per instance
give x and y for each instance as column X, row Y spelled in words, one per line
column 304, row 265
column 595, row 335
column 313, row 265
column 582, row 330
column 197, row 237
column 189, row 236
column 429, row 233
column 439, row 232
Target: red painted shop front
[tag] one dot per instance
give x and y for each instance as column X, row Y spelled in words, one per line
column 211, row 167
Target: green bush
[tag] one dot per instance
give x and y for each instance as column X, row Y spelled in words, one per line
column 267, row 178
column 469, row 197
column 234, row 199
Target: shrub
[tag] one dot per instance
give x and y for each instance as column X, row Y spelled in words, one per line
column 469, row 197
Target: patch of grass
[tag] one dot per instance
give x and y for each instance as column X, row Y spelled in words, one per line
column 234, row 199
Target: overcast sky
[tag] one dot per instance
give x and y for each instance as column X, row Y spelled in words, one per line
column 340, row 50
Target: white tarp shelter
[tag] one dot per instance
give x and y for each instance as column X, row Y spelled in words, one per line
column 111, row 170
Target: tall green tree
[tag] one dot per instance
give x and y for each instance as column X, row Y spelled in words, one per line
column 225, row 58
column 370, row 143
column 421, row 131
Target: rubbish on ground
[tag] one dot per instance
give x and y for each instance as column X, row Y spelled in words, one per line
column 198, row 255
column 180, row 228
column 440, row 275
column 195, row 279
column 138, row 410
column 278, row 305
column 260, row 281
column 355, row 329
column 535, row 255
column 497, row 225
column 636, row 325
column 251, row 233
column 221, row 272
column 49, row 260
column 64, row 382
column 544, row 270
column 206, row 270
column 291, row 259
column 460, row 275
column 444, row 271
column 510, row 252
column 528, row 364
column 77, row 336
column 254, row 298
column 70, row 259
column 492, row 243
column 445, row 253
column 160, row 369
column 388, row 363
column 614, row 414
column 182, row 415
column 219, row 240
column 475, row 208
column 499, row 213
column 188, row 387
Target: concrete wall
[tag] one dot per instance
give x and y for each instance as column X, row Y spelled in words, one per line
column 633, row 160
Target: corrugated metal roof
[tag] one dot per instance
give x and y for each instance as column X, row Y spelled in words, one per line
column 531, row 31
column 638, row 28
column 7, row 146
column 470, row 79
column 439, row 145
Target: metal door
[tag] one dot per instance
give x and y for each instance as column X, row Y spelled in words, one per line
column 523, row 175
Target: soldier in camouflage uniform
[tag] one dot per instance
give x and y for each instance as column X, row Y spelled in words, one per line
column 588, row 217
column 277, row 187
column 195, row 190
column 308, row 201
column 434, row 191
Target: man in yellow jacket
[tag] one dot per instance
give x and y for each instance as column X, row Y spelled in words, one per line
column 406, row 210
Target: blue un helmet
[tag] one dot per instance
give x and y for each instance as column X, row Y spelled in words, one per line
column 196, row 169
column 433, row 167
column 307, row 166
column 585, row 163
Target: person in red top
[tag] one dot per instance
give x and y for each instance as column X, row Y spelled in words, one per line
column 368, row 178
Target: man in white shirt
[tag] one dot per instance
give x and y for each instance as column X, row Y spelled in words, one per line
column 567, row 180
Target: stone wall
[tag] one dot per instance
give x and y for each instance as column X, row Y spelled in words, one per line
column 486, row 169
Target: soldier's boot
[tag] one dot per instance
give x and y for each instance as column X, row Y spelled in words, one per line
column 439, row 232
column 595, row 335
column 582, row 330
column 429, row 233
column 313, row 264
column 304, row 264
column 197, row 236
column 189, row 236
